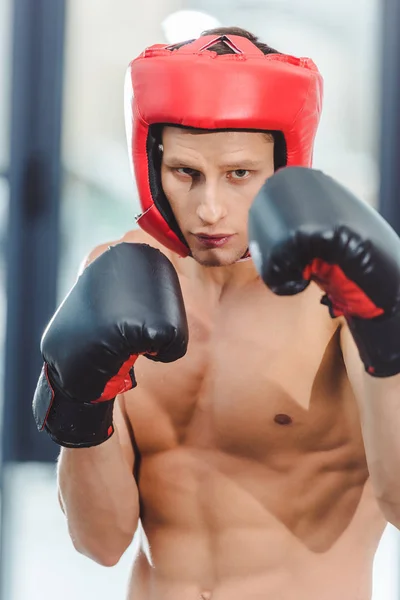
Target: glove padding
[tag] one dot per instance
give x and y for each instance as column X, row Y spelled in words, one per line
column 126, row 303
column 304, row 226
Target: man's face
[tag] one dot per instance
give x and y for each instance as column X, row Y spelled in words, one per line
column 210, row 181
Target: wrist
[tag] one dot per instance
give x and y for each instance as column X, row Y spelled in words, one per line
column 70, row 422
column 378, row 343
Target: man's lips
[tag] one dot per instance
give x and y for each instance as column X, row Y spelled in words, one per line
column 213, row 241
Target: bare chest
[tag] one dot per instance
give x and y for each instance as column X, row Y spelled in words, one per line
column 263, row 378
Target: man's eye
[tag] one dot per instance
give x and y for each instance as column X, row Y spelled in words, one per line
column 239, row 174
column 187, row 171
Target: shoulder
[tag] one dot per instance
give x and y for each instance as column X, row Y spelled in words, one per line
column 134, row 236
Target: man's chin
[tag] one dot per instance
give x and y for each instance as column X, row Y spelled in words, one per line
column 217, row 258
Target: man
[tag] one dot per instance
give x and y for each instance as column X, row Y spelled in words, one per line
column 258, row 454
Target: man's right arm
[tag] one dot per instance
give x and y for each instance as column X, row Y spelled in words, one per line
column 96, row 487
column 125, row 304
column 99, row 495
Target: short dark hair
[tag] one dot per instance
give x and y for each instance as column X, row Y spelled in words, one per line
column 222, row 48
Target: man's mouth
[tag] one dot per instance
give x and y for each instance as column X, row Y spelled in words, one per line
column 213, row 241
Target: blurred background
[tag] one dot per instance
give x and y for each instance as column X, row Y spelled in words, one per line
column 65, row 186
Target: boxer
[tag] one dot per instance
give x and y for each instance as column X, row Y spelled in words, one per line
column 224, row 381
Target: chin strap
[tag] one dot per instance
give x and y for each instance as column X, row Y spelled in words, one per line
column 243, row 259
column 246, row 256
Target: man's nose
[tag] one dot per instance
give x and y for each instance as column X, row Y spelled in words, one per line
column 211, row 208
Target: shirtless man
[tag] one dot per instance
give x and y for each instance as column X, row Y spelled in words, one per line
column 261, row 458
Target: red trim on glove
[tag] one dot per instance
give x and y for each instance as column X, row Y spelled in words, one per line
column 52, row 396
column 120, row 383
column 346, row 297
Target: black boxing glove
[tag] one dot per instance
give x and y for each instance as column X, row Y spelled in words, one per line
column 126, row 303
column 305, row 226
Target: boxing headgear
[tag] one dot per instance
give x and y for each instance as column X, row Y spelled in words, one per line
column 195, row 87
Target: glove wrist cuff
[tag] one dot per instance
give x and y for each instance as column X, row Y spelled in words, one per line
column 378, row 342
column 70, row 423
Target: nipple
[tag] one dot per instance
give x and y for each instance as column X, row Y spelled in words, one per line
column 283, row 419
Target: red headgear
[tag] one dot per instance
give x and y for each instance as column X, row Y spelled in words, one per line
column 194, row 87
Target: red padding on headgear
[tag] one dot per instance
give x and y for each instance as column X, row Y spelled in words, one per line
column 195, row 87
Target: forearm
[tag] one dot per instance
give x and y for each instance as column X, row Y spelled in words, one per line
column 100, row 499
column 380, row 419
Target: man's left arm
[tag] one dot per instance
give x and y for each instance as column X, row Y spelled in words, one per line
column 379, row 405
column 304, row 226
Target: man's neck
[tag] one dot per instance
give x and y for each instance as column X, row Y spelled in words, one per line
column 222, row 279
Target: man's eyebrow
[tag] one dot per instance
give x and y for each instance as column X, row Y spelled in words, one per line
column 175, row 161
column 246, row 163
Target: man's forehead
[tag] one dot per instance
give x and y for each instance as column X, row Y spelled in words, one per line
column 181, row 131
column 231, row 141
